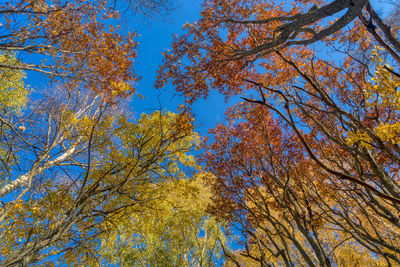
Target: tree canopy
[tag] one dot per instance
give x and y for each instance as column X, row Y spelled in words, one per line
column 307, row 165
column 76, row 166
column 303, row 170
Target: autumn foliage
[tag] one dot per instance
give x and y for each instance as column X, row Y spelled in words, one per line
column 306, row 167
column 303, row 171
column 75, row 41
column 79, row 172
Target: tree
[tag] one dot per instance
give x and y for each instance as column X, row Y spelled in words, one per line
column 73, row 40
column 265, row 27
column 13, row 97
column 288, row 209
column 13, row 91
column 171, row 230
column 77, row 165
column 74, row 169
column 316, row 150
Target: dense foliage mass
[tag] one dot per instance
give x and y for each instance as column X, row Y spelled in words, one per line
column 304, row 170
column 307, row 166
column 82, row 181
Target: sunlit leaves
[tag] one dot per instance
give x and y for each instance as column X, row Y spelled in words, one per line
column 75, row 40
column 170, row 230
column 13, row 92
column 312, row 162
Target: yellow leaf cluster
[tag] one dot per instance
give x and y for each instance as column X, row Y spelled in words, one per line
column 381, row 93
column 13, row 92
column 359, row 137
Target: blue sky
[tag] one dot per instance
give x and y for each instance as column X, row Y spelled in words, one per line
column 156, row 36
